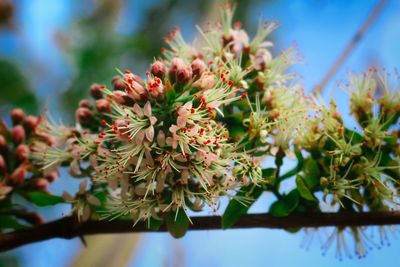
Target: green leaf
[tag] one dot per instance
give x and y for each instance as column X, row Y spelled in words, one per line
column 312, row 173
column 236, row 209
column 9, row 222
column 155, row 224
column 303, row 189
column 286, row 205
column 177, row 224
column 42, row 199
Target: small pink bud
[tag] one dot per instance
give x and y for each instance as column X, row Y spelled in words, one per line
column 103, row 106
column 85, row 103
column 206, row 81
column 18, row 176
column 118, row 83
column 3, row 144
column 158, row 69
column 184, row 75
column 155, row 87
column 40, row 183
column 176, row 65
column 3, row 166
column 134, row 88
column 83, row 115
column 22, row 152
column 30, row 123
column 198, row 67
column 119, row 97
column 18, row 134
column 17, row 116
column 52, row 176
column 96, row 91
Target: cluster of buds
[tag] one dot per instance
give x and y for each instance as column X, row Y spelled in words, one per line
column 198, row 126
column 17, row 171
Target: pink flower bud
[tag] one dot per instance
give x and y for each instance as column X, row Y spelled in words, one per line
column 83, row 115
column 155, row 87
column 184, row 75
column 85, row 103
column 206, row 81
column 3, row 166
column 103, row 106
column 18, row 176
column 3, row 144
column 119, row 97
column 158, row 69
column 30, row 123
column 17, row 116
column 96, row 91
column 176, row 64
column 198, row 67
column 41, row 184
column 18, row 134
column 22, row 152
column 118, row 83
column 52, row 176
column 134, row 88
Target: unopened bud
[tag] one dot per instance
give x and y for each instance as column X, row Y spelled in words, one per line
column 184, row 75
column 158, row 69
column 96, row 91
column 18, row 134
column 30, row 123
column 3, row 166
column 119, row 97
column 52, row 176
column 198, row 67
column 17, row 116
column 155, row 87
column 18, row 176
column 118, row 83
column 3, row 144
column 85, row 103
column 324, row 182
column 83, row 115
column 22, row 152
column 103, row 106
column 41, row 184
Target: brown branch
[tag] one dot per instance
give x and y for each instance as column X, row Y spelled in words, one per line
column 68, row 227
column 358, row 36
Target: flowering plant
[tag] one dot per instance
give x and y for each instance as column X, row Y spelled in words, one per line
column 201, row 126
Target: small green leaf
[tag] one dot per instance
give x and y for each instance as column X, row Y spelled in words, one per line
column 9, row 222
column 303, row 189
column 42, row 199
column 177, row 224
column 236, row 209
column 312, row 173
column 286, row 205
column 154, row 224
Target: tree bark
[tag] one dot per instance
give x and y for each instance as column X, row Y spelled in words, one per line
column 69, row 227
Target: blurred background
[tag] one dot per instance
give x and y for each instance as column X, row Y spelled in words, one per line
column 52, row 50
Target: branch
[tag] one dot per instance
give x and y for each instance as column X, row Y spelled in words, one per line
column 350, row 46
column 69, row 227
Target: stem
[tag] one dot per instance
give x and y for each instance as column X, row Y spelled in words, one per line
column 69, row 227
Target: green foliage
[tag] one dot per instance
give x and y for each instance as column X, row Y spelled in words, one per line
column 42, row 199
column 286, row 205
column 177, row 223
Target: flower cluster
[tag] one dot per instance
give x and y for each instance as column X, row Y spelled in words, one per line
column 201, row 122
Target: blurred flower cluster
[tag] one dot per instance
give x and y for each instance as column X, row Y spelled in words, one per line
column 19, row 175
column 200, row 123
